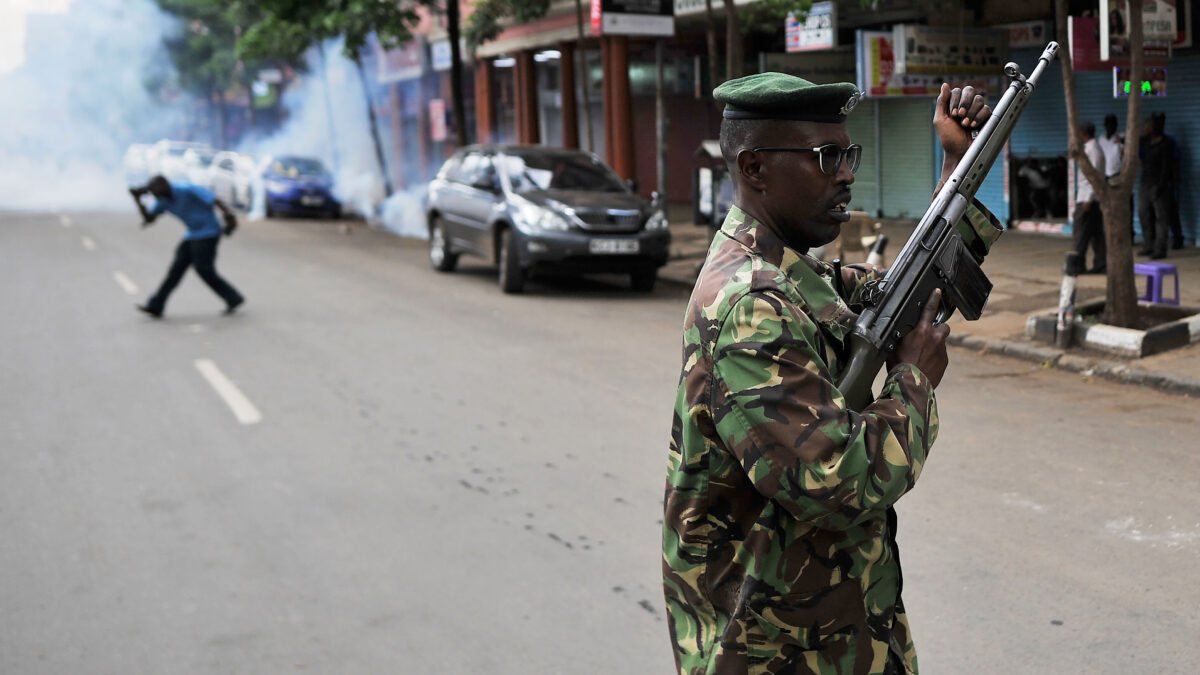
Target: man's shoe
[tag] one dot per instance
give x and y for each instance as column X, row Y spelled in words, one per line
column 156, row 313
column 1144, row 251
column 232, row 307
column 1098, row 269
column 1176, row 245
column 1158, row 256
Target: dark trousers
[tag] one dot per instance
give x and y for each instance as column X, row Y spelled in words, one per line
column 202, row 255
column 1155, row 210
column 1089, row 229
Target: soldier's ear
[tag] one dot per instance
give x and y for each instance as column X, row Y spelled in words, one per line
column 751, row 169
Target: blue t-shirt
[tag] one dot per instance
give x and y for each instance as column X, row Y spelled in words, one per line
column 194, row 206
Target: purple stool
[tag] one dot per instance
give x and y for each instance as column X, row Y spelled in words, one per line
column 1156, row 273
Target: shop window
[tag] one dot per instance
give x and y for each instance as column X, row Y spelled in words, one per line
column 1038, row 187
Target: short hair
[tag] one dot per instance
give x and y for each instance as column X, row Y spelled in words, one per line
column 737, row 135
column 1088, row 129
column 159, row 182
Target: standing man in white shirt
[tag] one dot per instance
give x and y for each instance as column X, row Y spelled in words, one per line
column 1112, row 145
column 1089, row 226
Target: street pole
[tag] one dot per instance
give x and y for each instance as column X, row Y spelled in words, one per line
column 661, row 116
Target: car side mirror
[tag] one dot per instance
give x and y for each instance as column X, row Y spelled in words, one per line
column 632, row 185
column 489, row 182
column 655, row 198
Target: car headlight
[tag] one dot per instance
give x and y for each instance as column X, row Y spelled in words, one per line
column 658, row 221
column 542, row 218
column 276, row 185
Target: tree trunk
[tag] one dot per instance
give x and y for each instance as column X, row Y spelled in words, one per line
column 714, row 59
column 1120, row 306
column 362, row 75
column 456, row 86
column 733, row 43
column 583, row 77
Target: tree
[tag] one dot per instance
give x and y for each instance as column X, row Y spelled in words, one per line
column 291, row 26
column 203, row 55
column 1120, row 306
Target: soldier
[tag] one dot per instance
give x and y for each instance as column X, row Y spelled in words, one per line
column 779, row 552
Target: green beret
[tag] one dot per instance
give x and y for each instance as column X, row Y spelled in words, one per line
column 776, row 96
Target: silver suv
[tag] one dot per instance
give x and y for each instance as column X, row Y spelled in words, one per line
column 534, row 208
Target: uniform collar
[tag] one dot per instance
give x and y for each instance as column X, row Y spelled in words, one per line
column 812, row 279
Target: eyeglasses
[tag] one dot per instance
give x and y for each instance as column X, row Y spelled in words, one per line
column 830, row 156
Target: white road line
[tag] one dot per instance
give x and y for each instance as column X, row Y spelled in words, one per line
column 125, row 283
column 242, row 408
column 88, row 243
column 65, row 220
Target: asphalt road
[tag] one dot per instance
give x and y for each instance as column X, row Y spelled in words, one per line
column 423, row 475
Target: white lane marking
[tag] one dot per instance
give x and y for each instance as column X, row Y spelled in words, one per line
column 88, row 243
column 125, row 283
column 242, row 408
column 65, row 220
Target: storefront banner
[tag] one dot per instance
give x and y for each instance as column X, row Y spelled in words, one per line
column 819, row 30
column 437, row 120
column 1083, row 36
column 877, row 75
column 1158, row 26
column 935, row 50
column 1027, row 34
column 633, row 17
column 440, row 57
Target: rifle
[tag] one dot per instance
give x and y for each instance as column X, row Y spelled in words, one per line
column 935, row 256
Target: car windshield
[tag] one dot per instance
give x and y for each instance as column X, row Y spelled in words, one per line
column 294, row 167
column 559, row 171
column 202, row 157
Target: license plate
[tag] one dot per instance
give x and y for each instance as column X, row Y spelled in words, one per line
column 613, row 246
column 312, row 201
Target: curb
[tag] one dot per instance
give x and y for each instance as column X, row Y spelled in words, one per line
column 1110, row 370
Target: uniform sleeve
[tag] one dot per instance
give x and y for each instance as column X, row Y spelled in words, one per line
column 776, row 409
column 979, row 228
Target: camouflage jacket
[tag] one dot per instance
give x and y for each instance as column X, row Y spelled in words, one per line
column 779, row 548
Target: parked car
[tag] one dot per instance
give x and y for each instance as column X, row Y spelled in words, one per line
column 299, row 185
column 197, row 164
column 167, row 158
column 535, row 208
column 230, row 176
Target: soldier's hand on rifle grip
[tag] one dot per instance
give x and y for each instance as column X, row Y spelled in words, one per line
column 925, row 346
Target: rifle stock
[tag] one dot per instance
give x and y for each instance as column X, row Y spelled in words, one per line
column 935, row 256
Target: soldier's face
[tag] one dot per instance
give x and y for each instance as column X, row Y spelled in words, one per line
column 807, row 203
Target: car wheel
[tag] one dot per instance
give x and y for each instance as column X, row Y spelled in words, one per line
column 643, row 278
column 512, row 277
column 439, row 248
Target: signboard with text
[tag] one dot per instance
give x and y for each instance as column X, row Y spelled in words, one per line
column 938, row 50
column 819, row 30
column 878, row 76
column 437, row 120
column 1158, row 29
column 633, row 17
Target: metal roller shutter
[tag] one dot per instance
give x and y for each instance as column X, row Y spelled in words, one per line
column 861, row 125
column 907, row 155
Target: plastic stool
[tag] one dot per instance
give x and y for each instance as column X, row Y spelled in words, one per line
column 1156, row 273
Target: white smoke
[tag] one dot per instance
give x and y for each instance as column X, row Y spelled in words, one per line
column 327, row 119
column 78, row 100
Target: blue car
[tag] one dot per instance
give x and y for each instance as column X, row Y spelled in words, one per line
column 299, row 185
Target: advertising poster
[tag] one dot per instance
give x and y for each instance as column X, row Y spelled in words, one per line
column 819, row 30
column 878, row 76
column 1159, row 27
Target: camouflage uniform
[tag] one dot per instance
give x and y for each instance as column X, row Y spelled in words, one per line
column 779, row 551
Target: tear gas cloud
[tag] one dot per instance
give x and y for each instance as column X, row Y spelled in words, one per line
column 81, row 99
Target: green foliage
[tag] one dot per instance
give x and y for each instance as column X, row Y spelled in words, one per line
column 486, row 21
column 292, row 26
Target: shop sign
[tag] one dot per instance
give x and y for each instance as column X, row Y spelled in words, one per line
column 1027, row 34
column 633, row 17
column 878, row 76
column 1158, row 29
column 1154, row 82
column 1083, row 35
column 440, row 57
column 437, row 120
column 819, row 30
column 936, row 50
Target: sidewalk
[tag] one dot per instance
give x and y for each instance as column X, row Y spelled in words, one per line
column 1026, row 270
